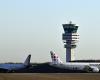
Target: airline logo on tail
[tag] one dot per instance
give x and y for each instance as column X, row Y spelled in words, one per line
column 55, row 58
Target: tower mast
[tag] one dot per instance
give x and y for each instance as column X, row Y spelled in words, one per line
column 70, row 38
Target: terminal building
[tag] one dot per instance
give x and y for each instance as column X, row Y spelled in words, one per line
column 70, row 38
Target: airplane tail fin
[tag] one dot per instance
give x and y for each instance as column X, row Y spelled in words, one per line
column 27, row 61
column 55, row 58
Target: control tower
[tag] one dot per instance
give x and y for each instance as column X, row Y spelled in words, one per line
column 70, row 38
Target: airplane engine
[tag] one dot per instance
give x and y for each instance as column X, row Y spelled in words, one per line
column 94, row 69
column 91, row 69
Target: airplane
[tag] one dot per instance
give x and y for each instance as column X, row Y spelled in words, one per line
column 11, row 67
column 87, row 67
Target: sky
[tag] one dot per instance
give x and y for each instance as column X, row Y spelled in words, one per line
column 35, row 27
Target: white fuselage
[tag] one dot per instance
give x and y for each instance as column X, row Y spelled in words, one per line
column 77, row 66
column 71, row 66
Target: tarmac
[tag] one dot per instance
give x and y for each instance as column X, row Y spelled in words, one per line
column 49, row 76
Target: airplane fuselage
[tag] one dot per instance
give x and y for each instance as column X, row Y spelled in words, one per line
column 78, row 66
column 12, row 66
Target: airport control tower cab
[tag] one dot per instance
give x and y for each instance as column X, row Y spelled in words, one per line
column 70, row 38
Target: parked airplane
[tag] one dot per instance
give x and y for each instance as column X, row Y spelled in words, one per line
column 15, row 66
column 87, row 67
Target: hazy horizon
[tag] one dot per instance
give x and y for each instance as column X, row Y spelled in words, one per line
column 35, row 27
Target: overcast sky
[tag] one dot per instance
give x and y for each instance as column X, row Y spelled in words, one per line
column 35, row 27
